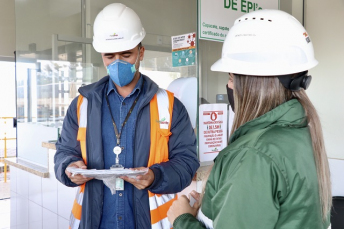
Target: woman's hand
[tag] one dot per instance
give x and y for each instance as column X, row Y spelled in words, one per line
column 179, row 207
column 196, row 196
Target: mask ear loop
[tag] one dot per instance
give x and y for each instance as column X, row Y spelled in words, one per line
column 134, row 65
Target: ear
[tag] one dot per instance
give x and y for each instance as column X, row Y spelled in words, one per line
column 142, row 52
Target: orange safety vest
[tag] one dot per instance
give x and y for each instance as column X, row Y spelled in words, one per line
column 161, row 107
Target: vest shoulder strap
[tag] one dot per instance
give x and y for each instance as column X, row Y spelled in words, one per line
column 165, row 100
column 82, row 120
column 75, row 216
column 161, row 109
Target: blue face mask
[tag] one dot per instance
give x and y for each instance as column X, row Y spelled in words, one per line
column 122, row 72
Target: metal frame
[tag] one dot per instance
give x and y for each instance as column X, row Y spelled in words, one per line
column 58, row 37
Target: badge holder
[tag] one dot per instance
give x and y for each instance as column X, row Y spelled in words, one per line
column 119, row 182
column 117, row 150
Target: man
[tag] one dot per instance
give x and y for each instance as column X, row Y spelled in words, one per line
column 124, row 127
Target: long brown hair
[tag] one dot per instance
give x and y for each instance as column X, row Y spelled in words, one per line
column 256, row 95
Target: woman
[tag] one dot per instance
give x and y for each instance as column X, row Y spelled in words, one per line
column 274, row 173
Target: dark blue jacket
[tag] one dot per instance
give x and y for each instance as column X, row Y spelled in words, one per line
column 170, row 177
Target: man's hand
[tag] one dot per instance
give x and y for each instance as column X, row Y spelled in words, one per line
column 77, row 179
column 141, row 181
column 180, row 207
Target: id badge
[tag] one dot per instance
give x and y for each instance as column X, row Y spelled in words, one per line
column 119, row 184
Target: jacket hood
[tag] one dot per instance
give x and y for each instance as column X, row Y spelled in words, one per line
column 290, row 113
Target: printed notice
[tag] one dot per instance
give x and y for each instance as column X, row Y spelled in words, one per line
column 215, row 26
column 212, row 130
column 184, row 50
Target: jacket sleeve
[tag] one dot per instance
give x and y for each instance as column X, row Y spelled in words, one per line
column 242, row 193
column 177, row 173
column 187, row 221
column 67, row 147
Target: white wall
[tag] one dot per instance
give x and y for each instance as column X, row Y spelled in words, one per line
column 30, row 137
column 39, row 202
column 37, row 20
column 7, row 28
column 324, row 23
column 337, row 171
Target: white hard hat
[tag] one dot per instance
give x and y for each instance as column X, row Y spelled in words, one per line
column 266, row 43
column 117, row 28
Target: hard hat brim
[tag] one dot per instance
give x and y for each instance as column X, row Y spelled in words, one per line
column 112, row 47
column 259, row 69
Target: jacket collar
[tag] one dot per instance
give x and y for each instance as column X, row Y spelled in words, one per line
column 96, row 89
column 290, row 113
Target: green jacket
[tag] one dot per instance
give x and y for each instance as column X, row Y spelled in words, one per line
column 266, row 177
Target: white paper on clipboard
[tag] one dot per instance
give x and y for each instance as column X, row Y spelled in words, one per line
column 108, row 176
column 105, row 173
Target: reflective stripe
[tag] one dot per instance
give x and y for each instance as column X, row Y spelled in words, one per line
column 163, row 105
column 82, row 120
column 164, row 223
column 75, row 224
column 155, row 201
column 161, row 212
column 83, row 113
column 80, row 99
column 80, row 197
column 75, row 216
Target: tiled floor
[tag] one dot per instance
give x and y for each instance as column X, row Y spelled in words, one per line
column 5, row 188
column 5, row 201
column 5, row 213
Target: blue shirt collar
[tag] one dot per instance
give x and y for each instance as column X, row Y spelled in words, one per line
column 138, row 87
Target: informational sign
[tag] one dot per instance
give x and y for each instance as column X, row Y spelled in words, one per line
column 183, row 50
column 216, row 17
column 212, row 130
